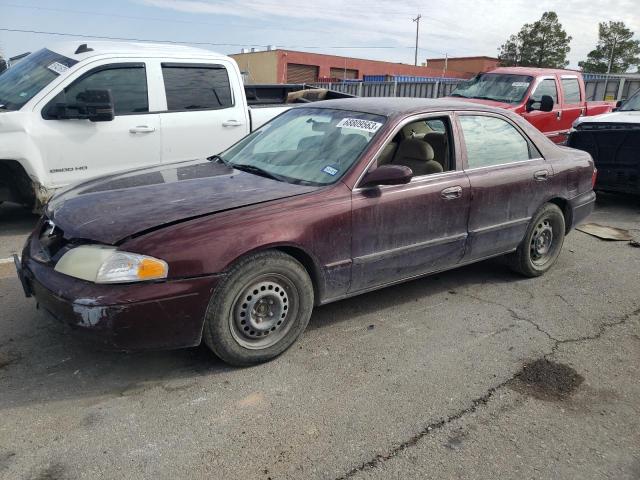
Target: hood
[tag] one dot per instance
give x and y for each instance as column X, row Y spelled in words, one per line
column 110, row 209
column 490, row 103
column 613, row 117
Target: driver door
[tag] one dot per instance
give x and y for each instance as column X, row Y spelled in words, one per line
column 548, row 123
column 74, row 150
column 404, row 231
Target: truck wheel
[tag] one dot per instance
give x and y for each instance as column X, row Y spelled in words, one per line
column 259, row 310
column 542, row 242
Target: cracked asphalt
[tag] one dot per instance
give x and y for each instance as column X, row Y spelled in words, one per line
column 420, row 380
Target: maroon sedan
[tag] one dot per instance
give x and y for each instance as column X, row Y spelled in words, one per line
column 322, row 203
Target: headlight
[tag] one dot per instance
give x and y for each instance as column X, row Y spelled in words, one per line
column 101, row 264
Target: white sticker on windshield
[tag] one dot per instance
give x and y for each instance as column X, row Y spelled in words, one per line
column 358, row 124
column 330, row 170
column 58, row 68
column 519, row 84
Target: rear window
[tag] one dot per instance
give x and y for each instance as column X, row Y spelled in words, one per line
column 571, row 90
column 196, row 87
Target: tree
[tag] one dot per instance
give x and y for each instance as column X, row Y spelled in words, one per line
column 542, row 43
column 616, row 43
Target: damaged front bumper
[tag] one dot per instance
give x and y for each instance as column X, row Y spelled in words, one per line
column 142, row 316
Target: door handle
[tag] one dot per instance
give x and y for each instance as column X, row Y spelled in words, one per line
column 558, row 114
column 451, row 192
column 231, row 123
column 142, row 129
column 541, row 175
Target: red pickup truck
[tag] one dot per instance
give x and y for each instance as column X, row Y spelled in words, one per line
column 551, row 100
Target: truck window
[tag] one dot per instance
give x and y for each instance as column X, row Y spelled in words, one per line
column 495, row 86
column 571, row 90
column 546, row 87
column 196, row 87
column 127, row 82
column 492, row 141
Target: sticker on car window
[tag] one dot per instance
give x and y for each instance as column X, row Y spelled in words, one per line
column 330, row 170
column 519, row 84
column 358, row 124
column 58, row 68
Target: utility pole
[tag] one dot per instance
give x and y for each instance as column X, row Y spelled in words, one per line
column 606, row 80
column 417, row 20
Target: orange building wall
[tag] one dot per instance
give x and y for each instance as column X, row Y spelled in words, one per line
column 364, row 67
column 468, row 66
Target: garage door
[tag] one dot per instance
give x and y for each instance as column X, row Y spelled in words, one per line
column 297, row 73
column 342, row 73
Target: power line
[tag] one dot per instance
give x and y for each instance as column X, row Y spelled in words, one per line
column 214, row 44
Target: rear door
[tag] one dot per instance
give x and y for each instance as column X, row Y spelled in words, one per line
column 403, row 231
column 508, row 178
column 205, row 110
column 574, row 105
column 549, row 123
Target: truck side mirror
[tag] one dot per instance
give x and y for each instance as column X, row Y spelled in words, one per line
column 96, row 105
column 92, row 105
column 545, row 104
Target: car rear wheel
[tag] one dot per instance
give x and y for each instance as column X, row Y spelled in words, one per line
column 542, row 243
column 261, row 308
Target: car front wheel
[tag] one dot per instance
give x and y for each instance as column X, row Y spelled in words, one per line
column 261, row 308
column 542, row 243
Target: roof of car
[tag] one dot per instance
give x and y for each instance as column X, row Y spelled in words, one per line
column 533, row 72
column 392, row 106
column 69, row 48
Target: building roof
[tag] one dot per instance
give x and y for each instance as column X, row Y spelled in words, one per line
column 479, row 57
column 69, row 48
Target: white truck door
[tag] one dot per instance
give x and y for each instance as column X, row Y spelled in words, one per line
column 75, row 150
column 206, row 110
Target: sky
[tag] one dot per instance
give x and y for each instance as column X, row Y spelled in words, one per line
column 374, row 29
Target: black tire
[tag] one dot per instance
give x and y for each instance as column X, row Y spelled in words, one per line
column 259, row 310
column 542, row 243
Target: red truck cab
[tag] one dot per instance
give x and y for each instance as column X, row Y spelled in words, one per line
column 521, row 90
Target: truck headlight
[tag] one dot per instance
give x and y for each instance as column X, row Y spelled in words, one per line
column 102, row 264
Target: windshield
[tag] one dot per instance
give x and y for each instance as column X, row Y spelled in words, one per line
column 632, row 103
column 21, row 82
column 310, row 146
column 495, row 86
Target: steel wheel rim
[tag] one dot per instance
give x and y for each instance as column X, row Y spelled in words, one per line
column 264, row 311
column 542, row 245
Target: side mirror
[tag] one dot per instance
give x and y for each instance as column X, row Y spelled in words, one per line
column 618, row 105
column 93, row 105
column 387, row 175
column 96, row 105
column 545, row 104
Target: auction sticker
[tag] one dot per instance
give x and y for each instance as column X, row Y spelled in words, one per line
column 58, row 68
column 519, row 84
column 330, row 170
column 358, row 124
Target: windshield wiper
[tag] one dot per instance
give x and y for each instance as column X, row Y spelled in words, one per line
column 257, row 171
column 217, row 157
column 458, row 95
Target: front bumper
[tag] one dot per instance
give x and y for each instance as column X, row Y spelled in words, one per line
column 142, row 316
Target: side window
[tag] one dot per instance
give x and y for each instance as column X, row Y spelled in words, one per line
column 196, row 87
column 492, row 141
column 424, row 146
column 571, row 90
column 546, row 87
column 128, row 85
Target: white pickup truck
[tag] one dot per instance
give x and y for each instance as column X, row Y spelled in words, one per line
column 75, row 111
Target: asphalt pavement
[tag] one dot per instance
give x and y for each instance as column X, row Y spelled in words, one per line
column 473, row 373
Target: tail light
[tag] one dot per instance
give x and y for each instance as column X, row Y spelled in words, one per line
column 594, row 176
